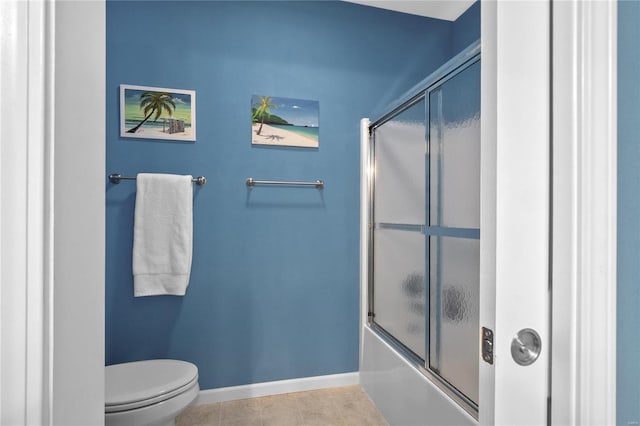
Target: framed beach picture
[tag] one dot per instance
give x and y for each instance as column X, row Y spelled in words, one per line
column 157, row 113
column 284, row 121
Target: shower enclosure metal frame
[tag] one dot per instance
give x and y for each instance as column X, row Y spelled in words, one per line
column 421, row 92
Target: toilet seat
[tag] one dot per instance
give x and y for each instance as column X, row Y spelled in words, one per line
column 139, row 384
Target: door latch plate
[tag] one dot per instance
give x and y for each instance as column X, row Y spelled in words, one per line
column 487, row 345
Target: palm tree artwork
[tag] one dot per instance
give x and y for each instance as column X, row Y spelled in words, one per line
column 154, row 102
column 263, row 110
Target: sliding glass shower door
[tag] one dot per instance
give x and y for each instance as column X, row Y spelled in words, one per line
column 454, row 230
column 425, row 217
column 399, row 249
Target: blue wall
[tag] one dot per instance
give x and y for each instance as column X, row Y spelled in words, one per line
column 274, row 284
column 628, row 365
column 466, row 29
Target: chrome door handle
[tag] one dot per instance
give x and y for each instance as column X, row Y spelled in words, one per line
column 526, row 346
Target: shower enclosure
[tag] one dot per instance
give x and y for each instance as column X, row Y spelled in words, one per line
column 456, row 232
column 424, row 228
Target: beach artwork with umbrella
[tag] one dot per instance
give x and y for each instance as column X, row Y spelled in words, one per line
column 284, row 121
column 157, row 113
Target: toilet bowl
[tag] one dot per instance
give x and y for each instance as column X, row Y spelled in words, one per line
column 150, row 393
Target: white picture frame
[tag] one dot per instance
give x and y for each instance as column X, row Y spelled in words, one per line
column 141, row 118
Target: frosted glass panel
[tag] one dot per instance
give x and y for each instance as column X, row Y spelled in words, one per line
column 400, row 145
column 454, row 151
column 426, row 220
column 399, row 294
column 454, row 274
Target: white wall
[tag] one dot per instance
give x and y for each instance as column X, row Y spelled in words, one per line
column 79, row 169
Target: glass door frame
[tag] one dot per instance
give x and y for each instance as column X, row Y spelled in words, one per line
column 418, row 93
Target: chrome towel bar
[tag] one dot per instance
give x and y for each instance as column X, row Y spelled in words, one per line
column 251, row 182
column 117, row 177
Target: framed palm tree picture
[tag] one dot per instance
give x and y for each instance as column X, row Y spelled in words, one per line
column 157, row 113
column 284, row 121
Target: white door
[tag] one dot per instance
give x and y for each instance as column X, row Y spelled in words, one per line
column 515, row 243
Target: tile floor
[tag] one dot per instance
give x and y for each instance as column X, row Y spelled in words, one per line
column 342, row 406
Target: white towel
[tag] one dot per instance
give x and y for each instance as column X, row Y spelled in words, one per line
column 162, row 234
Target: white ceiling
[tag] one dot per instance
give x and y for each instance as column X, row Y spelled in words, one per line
column 440, row 9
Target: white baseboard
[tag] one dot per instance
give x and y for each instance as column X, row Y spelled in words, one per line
column 210, row 396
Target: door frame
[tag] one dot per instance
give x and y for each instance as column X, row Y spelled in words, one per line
column 26, row 158
column 52, row 177
column 584, row 212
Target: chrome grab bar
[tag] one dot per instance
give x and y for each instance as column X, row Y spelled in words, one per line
column 251, row 182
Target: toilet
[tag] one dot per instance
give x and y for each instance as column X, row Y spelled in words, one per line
column 149, row 392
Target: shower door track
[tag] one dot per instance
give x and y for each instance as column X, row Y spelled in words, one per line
column 458, row 63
